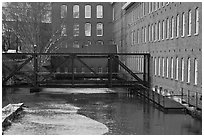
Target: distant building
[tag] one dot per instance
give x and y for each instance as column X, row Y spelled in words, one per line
column 83, row 23
column 171, row 32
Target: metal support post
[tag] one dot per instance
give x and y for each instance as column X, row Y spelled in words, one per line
column 72, row 69
column 110, row 70
column 144, row 72
column 188, row 97
column 35, row 71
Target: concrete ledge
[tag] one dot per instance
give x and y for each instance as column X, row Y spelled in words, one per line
column 9, row 112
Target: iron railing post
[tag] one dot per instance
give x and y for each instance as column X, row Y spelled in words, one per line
column 110, row 70
column 144, row 72
column 72, row 69
column 35, row 71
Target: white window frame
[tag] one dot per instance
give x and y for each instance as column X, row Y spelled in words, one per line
column 167, row 28
column 189, row 70
column 63, row 11
column 76, row 10
column 172, row 67
column 182, row 69
column 172, row 27
column 183, row 24
column 167, row 67
column 177, row 25
column 87, row 11
column 159, row 30
column 99, row 11
column 177, row 68
column 163, row 29
column 196, row 71
column 189, row 22
column 86, row 33
column 196, row 21
column 155, row 66
column 159, row 66
column 163, row 67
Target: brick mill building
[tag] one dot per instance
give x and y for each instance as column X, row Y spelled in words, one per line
column 171, row 32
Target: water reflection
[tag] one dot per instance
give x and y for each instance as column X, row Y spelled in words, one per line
column 134, row 115
column 123, row 114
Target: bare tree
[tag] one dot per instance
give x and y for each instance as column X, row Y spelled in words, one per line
column 25, row 20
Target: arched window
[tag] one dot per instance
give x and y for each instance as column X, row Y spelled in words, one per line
column 76, row 11
column 196, row 20
column 177, row 26
column 167, row 67
column 99, row 29
column 189, row 23
column 172, row 68
column 88, row 11
column 195, row 71
column 177, row 68
column 88, row 29
column 63, row 11
column 99, row 9
column 182, row 69
column 172, row 27
column 183, row 24
column 188, row 70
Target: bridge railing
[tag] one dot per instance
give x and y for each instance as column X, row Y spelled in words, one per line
column 31, row 68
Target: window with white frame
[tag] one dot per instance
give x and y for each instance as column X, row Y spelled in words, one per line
column 155, row 31
column 88, row 29
column 145, row 34
column 163, row 67
column 195, row 71
column 172, row 68
column 99, row 9
column 177, row 26
column 149, row 31
column 152, row 32
column 167, row 28
column 167, row 67
column 172, row 27
column 138, row 36
column 88, row 11
column 159, row 31
column 177, row 68
column 163, row 29
column 188, row 70
column 182, row 69
column 155, row 66
column 76, row 11
column 63, row 11
column 183, row 24
column 189, row 22
column 159, row 66
column 196, row 21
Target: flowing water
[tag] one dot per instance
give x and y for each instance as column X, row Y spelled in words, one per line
column 96, row 113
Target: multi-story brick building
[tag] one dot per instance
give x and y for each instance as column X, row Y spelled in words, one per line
column 171, row 32
column 83, row 23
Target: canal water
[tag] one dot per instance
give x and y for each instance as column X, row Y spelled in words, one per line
column 94, row 111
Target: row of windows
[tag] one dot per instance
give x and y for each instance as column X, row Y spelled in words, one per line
column 143, row 9
column 86, row 44
column 87, row 28
column 167, row 28
column 82, row 70
column 99, row 11
column 164, row 68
